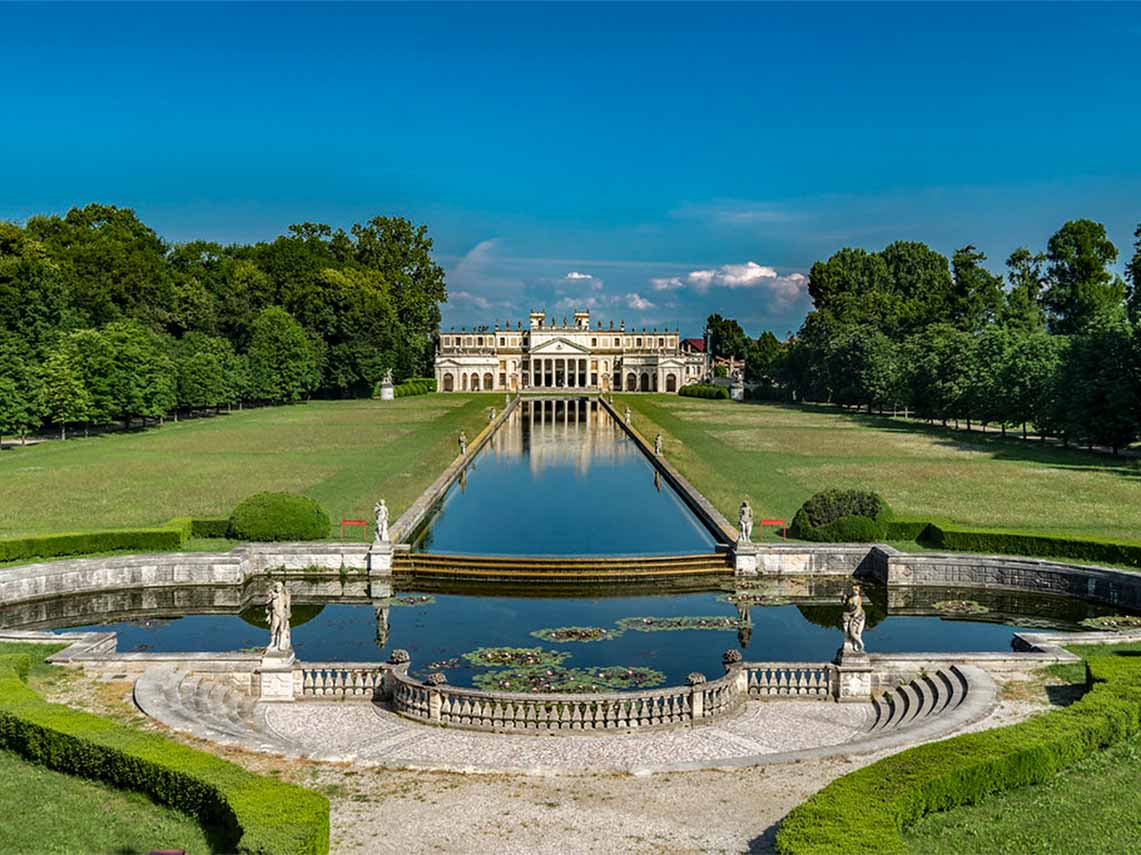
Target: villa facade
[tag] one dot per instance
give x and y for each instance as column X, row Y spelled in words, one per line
column 568, row 355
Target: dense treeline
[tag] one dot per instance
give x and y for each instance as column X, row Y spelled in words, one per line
column 101, row 320
column 1056, row 349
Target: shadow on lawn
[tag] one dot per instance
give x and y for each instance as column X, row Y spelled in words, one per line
column 1009, row 448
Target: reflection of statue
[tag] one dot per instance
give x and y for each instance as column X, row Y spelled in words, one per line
column 657, row 480
column 744, row 522
column 277, row 612
column 463, row 480
column 506, row 400
column 463, row 442
column 381, row 511
column 627, row 415
column 854, row 621
column 658, row 444
column 381, row 610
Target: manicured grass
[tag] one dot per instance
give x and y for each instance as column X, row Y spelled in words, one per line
column 1090, row 807
column 779, row 455
column 344, row 454
column 49, row 812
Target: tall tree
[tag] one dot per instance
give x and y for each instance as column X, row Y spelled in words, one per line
column 976, row 295
column 1133, row 275
column 726, row 338
column 21, row 392
column 1022, row 308
column 66, row 399
column 282, row 365
column 1081, row 287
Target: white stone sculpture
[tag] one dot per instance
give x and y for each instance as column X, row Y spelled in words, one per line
column 658, row 445
column 380, row 509
column 491, row 415
column 388, row 376
column 463, row 443
column 277, row 614
column 627, row 415
column 854, row 621
column 744, row 522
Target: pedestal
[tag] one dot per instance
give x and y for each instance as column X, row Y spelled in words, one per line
column 380, row 570
column 387, row 392
column 745, row 559
column 275, row 677
column 853, row 678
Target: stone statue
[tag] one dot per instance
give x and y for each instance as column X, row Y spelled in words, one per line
column 380, row 509
column 463, row 442
column 744, row 522
column 854, row 621
column 388, row 376
column 627, row 415
column 277, row 612
column 506, row 400
column 658, row 445
column 491, row 415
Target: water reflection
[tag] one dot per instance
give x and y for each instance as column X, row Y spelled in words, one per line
column 560, row 477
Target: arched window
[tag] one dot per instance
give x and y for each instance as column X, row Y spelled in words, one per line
column 631, row 383
column 465, row 382
column 488, row 385
column 449, row 383
column 645, row 387
column 671, row 383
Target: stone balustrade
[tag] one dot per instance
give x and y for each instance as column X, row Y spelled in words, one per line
column 792, row 680
column 341, row 680
column 548, row 713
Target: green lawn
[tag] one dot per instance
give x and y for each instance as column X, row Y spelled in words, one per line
column 779, row 455
column 49, row 812
column 1090, row 807
column 345, row 454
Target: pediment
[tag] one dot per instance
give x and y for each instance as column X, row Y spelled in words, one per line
column 559, row 347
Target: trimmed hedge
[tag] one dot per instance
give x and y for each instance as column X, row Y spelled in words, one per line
column 842, row 516
column 411, row 386
column 867, row 810
column 210, row 527
column 704, row 390
column 904, row 529
column 1031, row 543
column 279, row 516
column 256, row 814
column 171, row 536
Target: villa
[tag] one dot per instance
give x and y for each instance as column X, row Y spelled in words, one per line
column 553, row 355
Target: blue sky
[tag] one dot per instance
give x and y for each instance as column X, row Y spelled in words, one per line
column 653, row 162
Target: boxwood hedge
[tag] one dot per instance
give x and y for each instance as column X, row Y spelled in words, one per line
column 256, row 814
column 842, row 516
column 703, row 390
column 166, row 538
column 278, row 516
column 866, row 810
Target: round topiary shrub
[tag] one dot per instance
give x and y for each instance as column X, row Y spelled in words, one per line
column 842, row 516
column 278, row 516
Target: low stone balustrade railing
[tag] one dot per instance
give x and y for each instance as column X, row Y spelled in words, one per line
column 793, row 680
column 340, row 680
column 612, row 711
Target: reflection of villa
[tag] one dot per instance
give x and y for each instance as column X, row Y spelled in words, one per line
column 566, row 356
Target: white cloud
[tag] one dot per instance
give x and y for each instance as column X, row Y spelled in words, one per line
column 575, row 276
column 667, row 283
column 734, row 212
column 475, row 299
column 783, row 289
column 637, row 301
column 733, row 275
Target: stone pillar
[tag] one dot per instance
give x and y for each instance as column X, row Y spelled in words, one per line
column 275, row 677
column 697, row 701
column 745, row 561
column 380, row 569
column 852, row 678
column 435, row 704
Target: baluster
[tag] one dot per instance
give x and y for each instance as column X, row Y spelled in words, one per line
column 575, row 716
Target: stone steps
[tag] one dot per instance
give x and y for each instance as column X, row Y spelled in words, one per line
column 917, row 702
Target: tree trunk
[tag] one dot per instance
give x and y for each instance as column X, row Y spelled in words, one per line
column 23, row 439
column 1024, row 430
column 1004, row 430
column 63, row 431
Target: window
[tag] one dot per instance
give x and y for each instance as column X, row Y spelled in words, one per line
column 502, row 341
column 479, row 341
column 467, row 341
column 638, row 343
column 661, row 342
column 616, row 344
column 594, row 342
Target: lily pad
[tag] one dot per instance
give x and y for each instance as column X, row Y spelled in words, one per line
column 673, row 624
column 568, row 680
column 576, row 633
column 960, row 607
column 1113, row 623
column 518, row 657
column 407, row 600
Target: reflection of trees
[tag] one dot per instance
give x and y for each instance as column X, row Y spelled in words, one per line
column 255, row 615
column 832, row 617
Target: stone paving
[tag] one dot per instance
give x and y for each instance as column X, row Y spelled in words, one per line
column 367, row 734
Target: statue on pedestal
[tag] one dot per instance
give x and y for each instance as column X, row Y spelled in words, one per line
column 388, row 377
column 744, row 522
column 491, row 415
column 277, row 613
column 463, row 442
column 380, row 509
column 658, row 444
column 854, row 622
column 626, row 416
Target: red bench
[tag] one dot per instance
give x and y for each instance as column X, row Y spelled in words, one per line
column 781, row 523
column 363, row 526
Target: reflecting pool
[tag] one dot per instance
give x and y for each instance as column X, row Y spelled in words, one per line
column 559, row 477
column 438, row 625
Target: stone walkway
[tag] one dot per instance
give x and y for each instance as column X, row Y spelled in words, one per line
column 366, row 734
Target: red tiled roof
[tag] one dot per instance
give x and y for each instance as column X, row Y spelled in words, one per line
column 697, row 344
